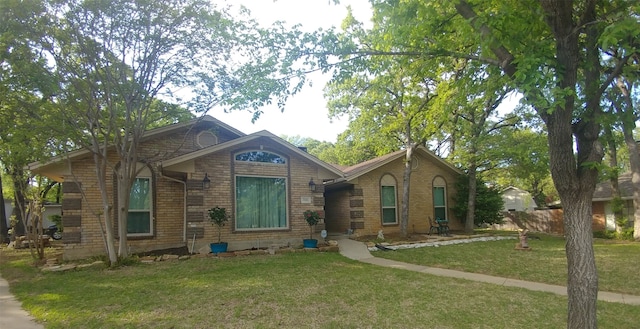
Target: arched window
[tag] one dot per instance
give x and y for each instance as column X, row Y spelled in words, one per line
column 439, row 198
column 260, row 156
column 388, row 193
column 141, row 202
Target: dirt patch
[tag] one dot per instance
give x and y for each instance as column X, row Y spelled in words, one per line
column 181, row 251
column 395, row 238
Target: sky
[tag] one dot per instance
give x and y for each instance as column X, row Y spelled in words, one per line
column 308, row 108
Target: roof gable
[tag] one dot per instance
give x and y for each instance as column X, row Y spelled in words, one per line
column 179, row 160
column 362, row 168
column 53, row 165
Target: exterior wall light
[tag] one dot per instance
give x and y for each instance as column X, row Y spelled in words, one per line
column 312, row 185
column 206, row 182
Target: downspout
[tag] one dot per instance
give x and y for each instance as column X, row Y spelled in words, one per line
column 184, row 208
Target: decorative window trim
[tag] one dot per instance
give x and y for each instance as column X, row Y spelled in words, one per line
column 146, row 172
column 275, row 158
column 201, row 143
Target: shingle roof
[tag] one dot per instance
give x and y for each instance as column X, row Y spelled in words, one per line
column 367, row 166
column 604, row 190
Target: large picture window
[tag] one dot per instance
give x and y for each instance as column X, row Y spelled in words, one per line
column 261, row 203
column 388, row 200
column 139, row 217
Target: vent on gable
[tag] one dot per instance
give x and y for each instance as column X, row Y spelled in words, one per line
column 206, row 139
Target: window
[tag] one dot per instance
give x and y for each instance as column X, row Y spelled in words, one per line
column 139, row 220
column 206, row 139
column 388, row 198
column 439, row 198
column 261, row 203
column 260, row 156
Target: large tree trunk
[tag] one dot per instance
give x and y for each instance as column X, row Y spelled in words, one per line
column 469, row 222
column 19, row 201
column 573, row 174
column 634, row 159
column 4, row 237
column 615, row 188
column 123, row 191
column 575, row 186
column 582, row 285
column 406, row 179
column 100, row 161
column 628, row 125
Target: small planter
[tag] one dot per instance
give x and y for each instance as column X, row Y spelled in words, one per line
column 310, row 243
column 312, row 217
column 218, row 217
column 217, row 248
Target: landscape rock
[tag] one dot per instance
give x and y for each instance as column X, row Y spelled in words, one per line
column 447, row 242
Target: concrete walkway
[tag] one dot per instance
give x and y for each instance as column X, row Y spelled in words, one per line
column 358, row 251
column 11, row 313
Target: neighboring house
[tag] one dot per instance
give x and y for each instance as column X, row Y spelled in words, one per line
column 265, row 182
column 50, row 209
column 516, row 199
column 603, row 216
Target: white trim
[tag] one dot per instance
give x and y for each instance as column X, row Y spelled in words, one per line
column 395, row 198
column 147, row 175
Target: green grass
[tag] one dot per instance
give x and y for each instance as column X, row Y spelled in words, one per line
column 546, row 262
column 300, row 290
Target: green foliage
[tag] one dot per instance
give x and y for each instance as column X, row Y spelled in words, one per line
column 524, row 162
column 218, row 217
column 56, row 219
column 489, row 204
column 312, row 218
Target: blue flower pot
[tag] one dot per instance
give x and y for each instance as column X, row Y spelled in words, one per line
column 217, row 248
column 310, row 243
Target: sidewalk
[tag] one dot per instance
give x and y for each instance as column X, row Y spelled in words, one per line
column 358, row 251
column 11, row 313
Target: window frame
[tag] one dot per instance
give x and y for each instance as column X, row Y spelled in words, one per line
column 280, row 156
column 387, row 180
column 145, row 173
column 439, row 183
column 260, row 229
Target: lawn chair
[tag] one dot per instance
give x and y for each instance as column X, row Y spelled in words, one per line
column 443, row 226
column 433, row 226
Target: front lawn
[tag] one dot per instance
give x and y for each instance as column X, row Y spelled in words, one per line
column 299, row 290
column 617, row 262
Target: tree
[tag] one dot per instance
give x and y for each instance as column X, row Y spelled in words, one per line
column 563, row 49
column 489, row 203
column 477, row 92
column 114, row 59
column 552, row 52
column 628, row 115
column 26, row 86
column 391, row 101
column 524, row 162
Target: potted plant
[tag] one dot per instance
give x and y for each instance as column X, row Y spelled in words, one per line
column 312, row 217
column 218, row 217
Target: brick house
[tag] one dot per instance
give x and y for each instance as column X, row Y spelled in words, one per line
column 603, row 216
column 368, row 197
column 265, row 182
